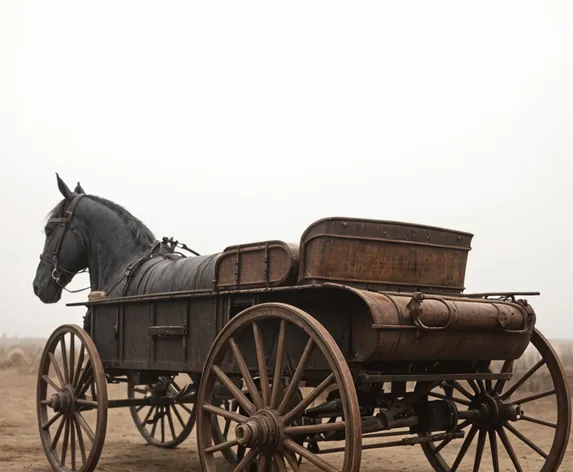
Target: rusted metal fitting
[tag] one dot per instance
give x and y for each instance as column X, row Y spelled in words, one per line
column 510, row 412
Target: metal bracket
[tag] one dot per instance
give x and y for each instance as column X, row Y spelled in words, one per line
column 167, row 330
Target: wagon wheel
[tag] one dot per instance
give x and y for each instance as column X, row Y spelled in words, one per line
column 73, row 436
column 514, row 421
column 166, row 425
column 266, row 432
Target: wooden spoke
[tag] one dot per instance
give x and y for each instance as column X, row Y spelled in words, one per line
column 85, row 426
column 279, row 363
column 292, row 462
column 494, row 452
column 49, row 381
column 178, row 415
column 51, row 421
column 445, row 442
column 308, row 399
column 263, row 463
column 509, row 448
column 253, row 391
column 499, row 384
column 523, row 379
column 155, row 421
column 280, row 461
column 163, row 413
column 445, row 397
column 65, row 357
column 221, row 446
column 58, row 433
column 171, row 425
column 186, row 408
column 57, row 369
column 464, row 449
column 309, row 456
column 479, row 449
column 85, row 374
column 524, row 439
column 72, row 357
column 72, row 443
column 86, row 403
column 80, row 440
column 245, row 461
column 264, row 379
column 239, row 396
column 86, row 382
column 488, row 385
column 230, row 415
column 531, row 398
column 459, row 388
column 79, row 366
column 532, row 419
column 297, row 376
column 149, row 413
column 66, row 439
column 473, row 384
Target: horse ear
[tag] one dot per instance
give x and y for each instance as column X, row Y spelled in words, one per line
column 64, row 189
column 79, row 189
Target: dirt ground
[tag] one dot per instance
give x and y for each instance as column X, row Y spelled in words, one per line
column 125, row 450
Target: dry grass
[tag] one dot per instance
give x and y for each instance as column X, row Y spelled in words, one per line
column 22, row 354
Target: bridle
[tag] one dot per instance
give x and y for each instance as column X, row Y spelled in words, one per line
column 66, row 222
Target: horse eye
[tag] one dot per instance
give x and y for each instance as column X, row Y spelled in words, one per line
column 49, row 231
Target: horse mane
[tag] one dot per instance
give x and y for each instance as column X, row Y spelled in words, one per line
column 136, row 227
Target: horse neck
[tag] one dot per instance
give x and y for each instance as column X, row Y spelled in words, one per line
column 110, row 245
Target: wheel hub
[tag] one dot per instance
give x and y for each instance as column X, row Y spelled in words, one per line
column 262, row 429
column 63, row 401
column 491, row 411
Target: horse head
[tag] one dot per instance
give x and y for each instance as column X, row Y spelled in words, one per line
column 64, row 253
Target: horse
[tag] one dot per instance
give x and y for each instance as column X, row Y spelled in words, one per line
column 89, row 233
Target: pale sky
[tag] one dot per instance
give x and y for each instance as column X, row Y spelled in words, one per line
column 221, row 123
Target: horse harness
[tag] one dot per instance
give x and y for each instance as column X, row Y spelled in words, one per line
column 66, row 222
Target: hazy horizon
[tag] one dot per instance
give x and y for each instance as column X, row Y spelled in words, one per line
column 230, row 123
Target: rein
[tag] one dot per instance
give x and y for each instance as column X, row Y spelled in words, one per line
column 66, row 222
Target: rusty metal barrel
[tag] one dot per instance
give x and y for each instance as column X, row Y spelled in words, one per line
column 419, row 326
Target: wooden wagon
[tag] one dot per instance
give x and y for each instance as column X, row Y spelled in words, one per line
column 305, row 355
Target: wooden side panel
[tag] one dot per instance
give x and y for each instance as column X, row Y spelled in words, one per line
column 104, row 322
column 204, row 316
column 136, row 346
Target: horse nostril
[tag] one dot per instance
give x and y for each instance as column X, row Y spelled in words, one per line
column 38, row 288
